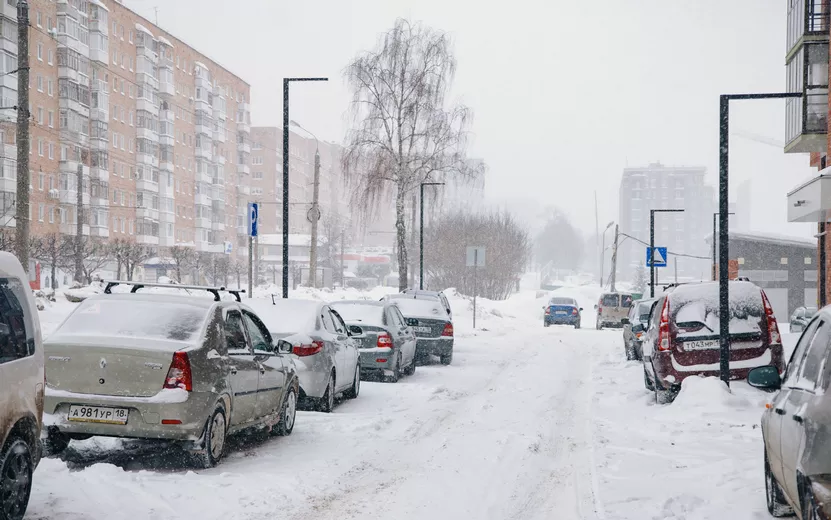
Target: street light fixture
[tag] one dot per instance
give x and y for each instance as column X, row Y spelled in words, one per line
column 286, row 83
column 652, row 245
column 421, row 234
column 603, row 250
column 314, row 213
column 713, row 269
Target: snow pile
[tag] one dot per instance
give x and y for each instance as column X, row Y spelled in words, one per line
column 708, row 395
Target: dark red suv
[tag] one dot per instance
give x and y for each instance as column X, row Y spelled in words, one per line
column 683, row 335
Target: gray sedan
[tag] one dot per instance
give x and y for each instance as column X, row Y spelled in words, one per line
column 325, row 355
column 387, row 345
column 156, row 366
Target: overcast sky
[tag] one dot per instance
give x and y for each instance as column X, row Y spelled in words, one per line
column 565, row 93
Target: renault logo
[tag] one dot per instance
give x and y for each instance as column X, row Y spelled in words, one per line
column 103, row 363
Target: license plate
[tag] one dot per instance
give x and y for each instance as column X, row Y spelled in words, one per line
column 561, row 312
column 709, row 344
column 423, row 329
column 98, row 414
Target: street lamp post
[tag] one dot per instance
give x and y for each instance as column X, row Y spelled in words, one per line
column 652, row 245
column 421, row 234
column 713, row 268
column 603, row 252
column 724, row 238
column 314, row 215
column 286, row 83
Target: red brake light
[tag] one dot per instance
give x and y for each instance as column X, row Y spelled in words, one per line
column 774, row 337
column 548, row 310
column 574, row 310
column 308, row 350
column 179, row 375
column 384, row 340
column 448, row 329
column 663, row 330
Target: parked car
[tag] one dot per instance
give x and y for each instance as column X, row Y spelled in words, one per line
column 421, row 294
column 795, row 426
column 327, row 359
column 683, row 335
column 612, row 308
column 21, row 370
column 635, row 327
column 161, row 366
column 386, row 343
column 800, row 318
column 562, row 311
column 432, row 325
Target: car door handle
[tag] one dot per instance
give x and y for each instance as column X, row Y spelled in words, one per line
column 262, row 369
column 798, row 418
column 779, row 411
column 233, row 371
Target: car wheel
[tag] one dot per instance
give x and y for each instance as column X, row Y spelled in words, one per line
column 577, row 325
column 638, row 353
column 327, row 402
column 396, row 370
column 546, row 324
column 411, row 368
column 775, row 497
column 664, row 396
column 647, row 382
column 216, row 431
column 446, row 359
column 55, row 442
column 355, row 390
column 288, row 415
column 809, row 505
column 16, row 469
column 629, row 350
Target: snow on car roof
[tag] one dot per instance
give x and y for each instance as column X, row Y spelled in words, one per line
column 412, row 308
column 700, row 303
column 287, row 315
column 368, row 312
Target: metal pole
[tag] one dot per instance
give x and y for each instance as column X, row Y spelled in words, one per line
column 250, row 266
column 421, row 241
column 475, row 288
column 822, row 260
column 22, row 207
column 257, row 258
column 602, row 257
column 614, row 259
column 342, row 252
column 723, row 241
column 315, row 218
column 286, row 187
column 651, row 253
column 713, row 267
column 79, row 225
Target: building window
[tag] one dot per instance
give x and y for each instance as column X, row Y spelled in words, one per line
column 41, row 209
column 50, row 87
column 51, row 150
column 40, row 116
column 40, row 83
column 51, row 119
column 51, row 215
column 40, row 51
column 40, row 147
column 41, row 181
column 50, row 57
column 131, row 36
column 257, row 175
column 808, row 260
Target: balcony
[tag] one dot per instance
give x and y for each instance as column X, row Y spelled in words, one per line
column 167, row 89
column 99, row 231
column 70, row 229
column 204, row 153
column 147, row 105
column 99, row 55
column 244, row 147
column 221, row 160
column 147, row 185
column 204, row 127
column 8, row 185
column 218, row 226
column 218, row 111
column 167, row 139
column 99, row 173
column 71, row 197
column 243, row 169
column 146, row 158
column 203, row 177
column 202, row 199
column 72, row 167
column 218, row 135
column 146, row 133
column 147, row 213
column 166, row 165
column 243, row 189
column 243, row 127
column 167, row 217
column 202, row 222
column 167, row 241
column 216, row 181
column 147, row 239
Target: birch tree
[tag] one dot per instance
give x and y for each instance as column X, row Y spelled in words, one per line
column 404, row 130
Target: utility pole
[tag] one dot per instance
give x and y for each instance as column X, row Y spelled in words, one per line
column 715, row 216
column 342, row 252
column 79, row 224
column 257, row 257
column 597, row 239
column 22, row 209
column 314, row 217
column 613, row 276
column 652, row 212
column 412, row 244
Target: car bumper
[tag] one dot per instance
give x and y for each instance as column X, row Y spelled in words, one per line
column 434, row 346
column 562, row 320
column 669, row 372
column 313, row 374
column 371, row 359
column 145, row 416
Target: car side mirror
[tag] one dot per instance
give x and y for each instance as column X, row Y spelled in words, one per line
column 412, row 322
column 765, row 378
column 625, row 321
column 595, row 305
column 581, row 309
column 355, row 330
column 637, row 327
column 284, row 347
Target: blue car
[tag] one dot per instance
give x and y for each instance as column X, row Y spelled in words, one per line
column 562, row 311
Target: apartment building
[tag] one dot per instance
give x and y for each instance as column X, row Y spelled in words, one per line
column 665, row 187
column 160, row 131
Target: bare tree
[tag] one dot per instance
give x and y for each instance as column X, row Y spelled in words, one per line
column 119, row 250
column 135, row 255
column 507, row 249
column 239, row 267
column 58, row 251
column 219, row 267
column 403, row 133
column 183, row 258
column 96, row 255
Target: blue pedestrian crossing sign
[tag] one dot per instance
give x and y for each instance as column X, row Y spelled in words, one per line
column 656, row 258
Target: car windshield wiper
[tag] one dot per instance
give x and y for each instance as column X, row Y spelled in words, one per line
column 690, row 324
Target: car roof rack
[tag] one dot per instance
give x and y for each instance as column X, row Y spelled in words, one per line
column 140, row 285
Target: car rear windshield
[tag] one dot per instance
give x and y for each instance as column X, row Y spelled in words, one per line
column 695, row 309
column 286, row 316
column 562, row 301
column 610, row 300
column 643, row 311
column 421, row 309
column 140, row 319
column 361, row 313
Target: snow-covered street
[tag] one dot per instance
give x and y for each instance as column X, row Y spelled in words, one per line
column 527, row 423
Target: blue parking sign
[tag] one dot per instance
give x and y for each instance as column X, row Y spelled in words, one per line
column 253, row 217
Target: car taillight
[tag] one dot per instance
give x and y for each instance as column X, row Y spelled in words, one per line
column 448, row 329
column 663, row 330
column 773, row 328
column 574, row 311
column 179, row 375
column 599, row 310
column 308, row 350
column 384, row 340
column 548, row 310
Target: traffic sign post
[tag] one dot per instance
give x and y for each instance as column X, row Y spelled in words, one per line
column 656, row 257
column 475, row 258
column 253, row 224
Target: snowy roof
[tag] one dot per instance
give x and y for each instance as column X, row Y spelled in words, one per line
column 200, row 64
column 143, row 29
column 771, row 238
column 99, row 4
column 164, row 41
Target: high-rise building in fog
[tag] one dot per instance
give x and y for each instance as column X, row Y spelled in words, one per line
column 665, row 187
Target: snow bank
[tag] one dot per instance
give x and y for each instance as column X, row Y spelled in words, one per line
column 708, row 395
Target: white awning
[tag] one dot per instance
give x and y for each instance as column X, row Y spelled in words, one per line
column 164, row 41
column 811, row 201
column 99, row 4
column 200, row 64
